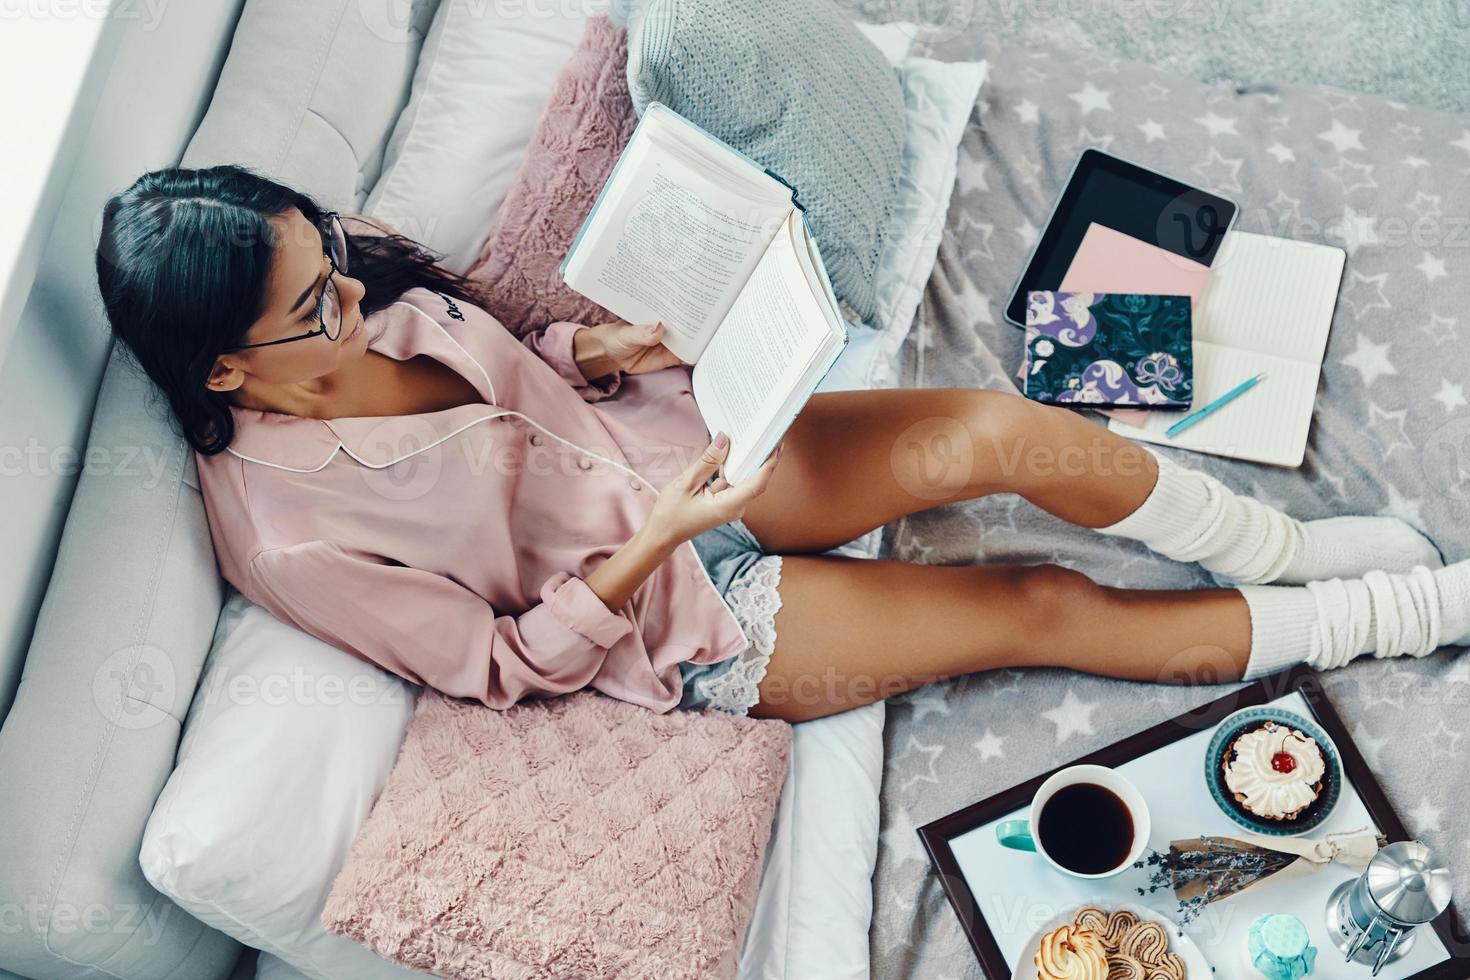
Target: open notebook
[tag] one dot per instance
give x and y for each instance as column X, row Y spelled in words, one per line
column 1267, row 306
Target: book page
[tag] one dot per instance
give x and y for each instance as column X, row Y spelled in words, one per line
column 1272, row 295
column 1267, row 424
column 760, row 360
column 673, row 238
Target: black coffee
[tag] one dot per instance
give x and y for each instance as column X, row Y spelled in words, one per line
column 1086, row 828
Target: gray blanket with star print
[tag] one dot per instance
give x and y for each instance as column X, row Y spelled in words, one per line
column 1388, row 182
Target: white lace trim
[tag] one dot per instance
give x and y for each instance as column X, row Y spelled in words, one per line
column 755, row 598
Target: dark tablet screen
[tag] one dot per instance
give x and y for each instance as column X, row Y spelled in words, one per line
column 1127, row 198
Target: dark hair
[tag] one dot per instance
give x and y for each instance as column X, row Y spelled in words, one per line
column 182, row 265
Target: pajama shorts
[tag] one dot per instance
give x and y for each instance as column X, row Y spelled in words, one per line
column 748, row 579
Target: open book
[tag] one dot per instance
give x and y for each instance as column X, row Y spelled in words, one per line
column 1266, row 306
column 691, row 231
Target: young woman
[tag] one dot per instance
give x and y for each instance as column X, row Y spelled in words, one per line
column 386, row 467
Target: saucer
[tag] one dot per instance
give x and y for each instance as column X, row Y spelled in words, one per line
column 1195, row 963
column 1309, row 819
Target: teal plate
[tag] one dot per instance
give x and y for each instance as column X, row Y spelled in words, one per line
column 1248, row 718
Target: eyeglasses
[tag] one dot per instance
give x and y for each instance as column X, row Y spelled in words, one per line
column 329, row 309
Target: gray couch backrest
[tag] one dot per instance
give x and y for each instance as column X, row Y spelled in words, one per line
column 308, row 95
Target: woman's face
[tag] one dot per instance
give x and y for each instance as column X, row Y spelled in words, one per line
column 298, row 275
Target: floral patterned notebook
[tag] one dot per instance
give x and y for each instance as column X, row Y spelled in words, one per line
column 1115, row 349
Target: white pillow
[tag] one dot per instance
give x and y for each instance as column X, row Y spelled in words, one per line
column 482, row 82
column 286, row 745
column 815, row 903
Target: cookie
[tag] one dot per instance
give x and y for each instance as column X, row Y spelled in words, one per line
column 1092, row 917
column 1119, row 923
column 1067, row 953
column 1121, row 967
column 1146, row 942
column 1168, row 967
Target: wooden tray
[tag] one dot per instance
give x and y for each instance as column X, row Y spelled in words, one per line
column 938, row 835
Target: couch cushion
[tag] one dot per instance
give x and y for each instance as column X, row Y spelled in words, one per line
column 310, row 92
column 116, row 652
column 307, row 95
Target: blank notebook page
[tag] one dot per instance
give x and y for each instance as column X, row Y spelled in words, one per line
column 1268, row 308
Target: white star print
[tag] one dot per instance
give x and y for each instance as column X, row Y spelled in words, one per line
column 1443, row 741
column 1337, row 101
column 1432, row 266
column 928, row 700
column 1451, row 396
column 1425, row 205
column 1370, row 360
column 901, row 837
column 1086, row 137
column 1352, row 175
column 1406, row 509
column 1221, row 173
column 999, row 682
column 1028, row 111
column 1028, row 233
column 1151, row 130
column 1459, row 673
column 989, row 746
column 1415, row 162
column 1463, row 142
column 1355, row 230
column 1426, row 818
column 1357, row 295
column 1154, row 91
column 931, row 755
column 1371, row 747
column 1091, row 97
column 1343, row 137
column 1281, row 152
column 1440, row 329
column 1284, row 207
column 1072, row 717
column 1395, row 438
column 1403, row 132
column 1217, row 125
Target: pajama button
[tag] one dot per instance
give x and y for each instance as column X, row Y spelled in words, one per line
column 635, row 484
column 535, row 439
column 585, row 463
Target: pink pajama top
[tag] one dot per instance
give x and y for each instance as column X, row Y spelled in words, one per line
column 451, row 547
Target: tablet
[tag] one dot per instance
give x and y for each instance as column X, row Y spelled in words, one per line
column 1128, row 198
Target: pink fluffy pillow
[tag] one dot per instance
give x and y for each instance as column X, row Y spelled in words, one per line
column 570, row 837
column 587, row 122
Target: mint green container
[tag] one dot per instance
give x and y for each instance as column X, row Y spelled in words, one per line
column 1280, row 948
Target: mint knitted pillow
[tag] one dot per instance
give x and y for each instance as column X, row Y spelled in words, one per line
column 794, row 85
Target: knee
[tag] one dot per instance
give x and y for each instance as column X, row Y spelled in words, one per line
column 998, row 423
column 1050, row 596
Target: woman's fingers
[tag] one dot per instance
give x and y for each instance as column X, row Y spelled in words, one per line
column 742, row 493
column 708, row 462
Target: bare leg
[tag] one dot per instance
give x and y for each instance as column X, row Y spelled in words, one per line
column 840, row 642
column 856, row 460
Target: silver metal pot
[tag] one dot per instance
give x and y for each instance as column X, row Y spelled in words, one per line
column 1372, row 918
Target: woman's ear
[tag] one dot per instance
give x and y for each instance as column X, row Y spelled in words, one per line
column 223, row 377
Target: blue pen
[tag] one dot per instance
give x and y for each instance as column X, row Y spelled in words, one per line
column 1218, row 403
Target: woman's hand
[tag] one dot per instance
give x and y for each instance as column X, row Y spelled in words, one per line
column 689, row 505
column 621, row 346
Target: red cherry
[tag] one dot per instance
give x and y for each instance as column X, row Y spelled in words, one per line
column 1283, row 762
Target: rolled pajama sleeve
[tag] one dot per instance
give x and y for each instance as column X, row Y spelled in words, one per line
column 553, row 344
column 431, row 630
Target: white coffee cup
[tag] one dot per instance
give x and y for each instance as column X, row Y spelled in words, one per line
column 1024, row 835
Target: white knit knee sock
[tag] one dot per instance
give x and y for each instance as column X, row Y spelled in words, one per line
column 1191, row 516
column 1327, row 624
